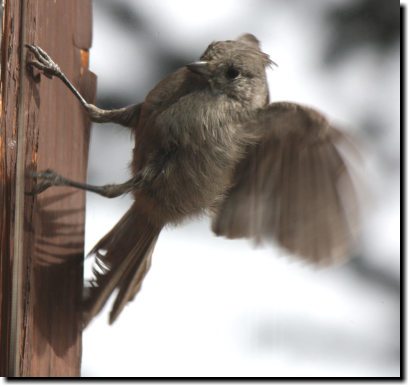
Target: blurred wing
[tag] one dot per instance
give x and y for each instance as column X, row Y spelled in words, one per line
column 293, row 186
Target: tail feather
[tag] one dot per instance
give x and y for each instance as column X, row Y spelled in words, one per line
column 133, row 281
column 123, row 258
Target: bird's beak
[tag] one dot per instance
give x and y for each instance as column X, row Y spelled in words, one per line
column 200, row 67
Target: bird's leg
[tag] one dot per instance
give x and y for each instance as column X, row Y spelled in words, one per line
column 127, row 116
column 51, row 69
column 49, row 178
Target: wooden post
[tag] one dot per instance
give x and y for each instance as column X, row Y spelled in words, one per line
column 41, row 239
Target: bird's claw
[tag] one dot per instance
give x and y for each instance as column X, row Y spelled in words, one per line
column 43, row 61
column 45, row 179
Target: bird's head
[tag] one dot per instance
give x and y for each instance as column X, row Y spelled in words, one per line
column 236, row 68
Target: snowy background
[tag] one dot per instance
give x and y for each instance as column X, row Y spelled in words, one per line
column 213, row 307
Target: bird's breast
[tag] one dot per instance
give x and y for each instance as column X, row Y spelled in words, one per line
column 198, row 146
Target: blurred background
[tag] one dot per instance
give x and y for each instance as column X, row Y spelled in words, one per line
column 213, row 307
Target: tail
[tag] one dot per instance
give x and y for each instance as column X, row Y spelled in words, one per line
column 123, row 258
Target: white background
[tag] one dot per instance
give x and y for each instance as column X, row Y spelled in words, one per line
column 212, row 307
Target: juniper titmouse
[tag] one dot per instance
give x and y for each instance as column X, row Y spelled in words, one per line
column 208, row 140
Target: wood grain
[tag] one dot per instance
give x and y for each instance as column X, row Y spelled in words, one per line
column 56, row 134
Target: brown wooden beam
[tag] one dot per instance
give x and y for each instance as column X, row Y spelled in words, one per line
column 42, row 238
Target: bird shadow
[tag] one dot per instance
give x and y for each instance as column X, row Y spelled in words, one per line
column 55, row 232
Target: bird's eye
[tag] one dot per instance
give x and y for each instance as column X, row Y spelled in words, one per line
column 232, row 73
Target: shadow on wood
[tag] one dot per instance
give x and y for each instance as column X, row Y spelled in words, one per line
column 42, row 126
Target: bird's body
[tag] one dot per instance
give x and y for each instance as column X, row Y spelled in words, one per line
column 191, row 134
column 207, row 140
column 186, row 152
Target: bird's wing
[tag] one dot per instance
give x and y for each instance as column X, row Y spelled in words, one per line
column 294, row 186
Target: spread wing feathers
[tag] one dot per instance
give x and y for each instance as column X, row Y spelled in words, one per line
column 294, row 186
column 123, row 257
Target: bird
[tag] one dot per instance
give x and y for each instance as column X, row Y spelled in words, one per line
column 208, row 140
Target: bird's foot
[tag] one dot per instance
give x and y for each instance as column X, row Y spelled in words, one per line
column 43, row 62
column 45, row 179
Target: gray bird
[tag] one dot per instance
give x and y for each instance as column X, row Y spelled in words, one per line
column 207, row 140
